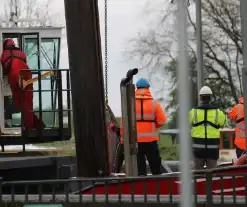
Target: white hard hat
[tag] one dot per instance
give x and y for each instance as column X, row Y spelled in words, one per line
column 205, row 90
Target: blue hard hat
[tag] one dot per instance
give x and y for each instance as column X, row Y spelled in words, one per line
column 142, row 83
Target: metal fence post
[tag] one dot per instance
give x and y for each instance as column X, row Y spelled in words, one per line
column 60, row 104
column 199, row 47
column 243, row 14
column 1, row 191
column 209, row 187
column 24, row 132
column 184, row 94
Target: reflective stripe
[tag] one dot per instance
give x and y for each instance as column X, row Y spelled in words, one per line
column 147, row 134
column 203, row 146
column 216, row 117
column 206, row 142
column 154, row 131
column 240, row 134
column 162, row 123
column 240, row 126
column 195, row 116
column 145, row 115
column 150, row 134
column 225, row 121
column 151, row 116
column 153, row 109
column 239, row 111
column 142, row 91
column 207, row 124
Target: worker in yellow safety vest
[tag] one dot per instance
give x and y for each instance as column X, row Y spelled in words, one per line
column 206, row 121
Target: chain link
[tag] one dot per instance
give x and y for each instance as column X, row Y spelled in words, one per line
column 106, row 55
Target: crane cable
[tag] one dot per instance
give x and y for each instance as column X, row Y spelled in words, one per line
column 106, row 55
column 110, row 132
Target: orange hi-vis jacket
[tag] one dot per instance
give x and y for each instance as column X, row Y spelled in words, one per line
column 237, row 114
column 149, row 117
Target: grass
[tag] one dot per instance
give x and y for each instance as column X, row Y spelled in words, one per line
column 168, row 151
column 67, row 147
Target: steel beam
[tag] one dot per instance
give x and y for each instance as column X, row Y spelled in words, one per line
column 184, row 94
column 85, row 61
column 243, row 14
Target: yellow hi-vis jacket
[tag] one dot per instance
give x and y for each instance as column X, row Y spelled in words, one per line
column 205, row 123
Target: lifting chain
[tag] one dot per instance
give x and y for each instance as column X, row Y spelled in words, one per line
column 106, row 55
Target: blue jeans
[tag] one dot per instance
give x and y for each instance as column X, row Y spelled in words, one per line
column 239, row 152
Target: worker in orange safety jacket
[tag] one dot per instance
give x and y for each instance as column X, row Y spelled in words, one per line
column 13, row 61
column 149, row 118
column 237, row 114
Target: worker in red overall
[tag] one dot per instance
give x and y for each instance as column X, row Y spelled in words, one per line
column 13, row 61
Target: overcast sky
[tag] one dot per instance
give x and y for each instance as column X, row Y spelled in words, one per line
column 125, row 19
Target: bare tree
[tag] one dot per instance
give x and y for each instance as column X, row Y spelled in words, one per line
column 30, row 9
column 221, row 42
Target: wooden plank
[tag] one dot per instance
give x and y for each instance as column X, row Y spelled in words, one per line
column 87, row 87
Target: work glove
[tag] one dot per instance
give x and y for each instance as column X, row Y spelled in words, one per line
column 112, row 127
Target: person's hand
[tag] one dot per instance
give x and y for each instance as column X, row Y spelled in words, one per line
column 112, row 127
column 23, row 85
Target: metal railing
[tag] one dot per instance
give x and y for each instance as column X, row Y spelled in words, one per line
column 209, row 188
column 57, row 95
column 227, row 136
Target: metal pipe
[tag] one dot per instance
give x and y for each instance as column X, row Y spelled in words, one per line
column 184, row 94
column 199, row 47
column 129, row 123
column 125, row 130
column 243, row 14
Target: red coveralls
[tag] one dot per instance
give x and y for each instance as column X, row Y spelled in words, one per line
column 13, row 61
